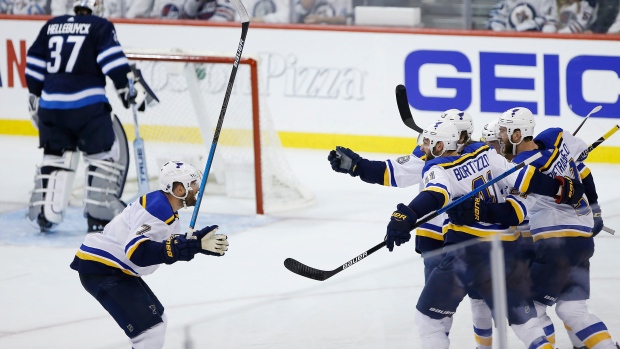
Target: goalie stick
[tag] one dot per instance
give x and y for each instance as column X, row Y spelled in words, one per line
column 138, row 144
column 322, row 275
column 594, row 110
column 403, row 109
column 245, row 19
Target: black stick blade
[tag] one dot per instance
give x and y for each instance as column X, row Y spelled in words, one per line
column 304, row 270
column 403, row 108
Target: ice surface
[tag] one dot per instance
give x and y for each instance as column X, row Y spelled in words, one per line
column 247, row 299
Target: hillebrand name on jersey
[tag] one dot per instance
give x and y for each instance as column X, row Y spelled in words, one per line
column 354, row 260
column 471, row 167
column 68, row 28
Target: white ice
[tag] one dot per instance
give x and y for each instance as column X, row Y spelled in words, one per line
column 247, row 299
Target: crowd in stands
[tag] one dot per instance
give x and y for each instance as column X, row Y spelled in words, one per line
column 562, row 16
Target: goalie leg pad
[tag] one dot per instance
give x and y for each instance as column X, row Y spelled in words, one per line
column 53, row 183
column 106, row 173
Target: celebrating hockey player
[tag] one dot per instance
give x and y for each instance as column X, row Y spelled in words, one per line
column 562, row 234
column 146, row 234
column 406, row 171
column 446, row 175
column 66, row 70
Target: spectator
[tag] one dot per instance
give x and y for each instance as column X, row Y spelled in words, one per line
column 576, row 16
column 269, row 11
column 321, row 11
column 525, row 15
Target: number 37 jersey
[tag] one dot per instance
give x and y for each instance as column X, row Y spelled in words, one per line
column 67, row 63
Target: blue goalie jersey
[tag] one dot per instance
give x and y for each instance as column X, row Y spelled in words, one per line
column 67, row 64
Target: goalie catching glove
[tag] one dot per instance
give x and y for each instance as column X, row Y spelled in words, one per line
column 210, row 243
column 140, row 95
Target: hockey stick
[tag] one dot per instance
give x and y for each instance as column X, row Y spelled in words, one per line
column 138, row 144
column 245, row 24
column 321, row 275
column 596, row 109
column 609, row 230
column 598, row 142
column 403, row 108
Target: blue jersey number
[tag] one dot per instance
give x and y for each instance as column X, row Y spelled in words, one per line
column 56, row 44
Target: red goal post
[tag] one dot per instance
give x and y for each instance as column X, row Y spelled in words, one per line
column 188, row 86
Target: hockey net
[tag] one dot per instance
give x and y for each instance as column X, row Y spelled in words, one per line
column 249, row 160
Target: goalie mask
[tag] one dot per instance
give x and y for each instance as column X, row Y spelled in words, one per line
column 178, row 171
column 95, row 6
column 439, row 131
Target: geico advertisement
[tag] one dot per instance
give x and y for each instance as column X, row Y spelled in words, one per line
column 342, row 82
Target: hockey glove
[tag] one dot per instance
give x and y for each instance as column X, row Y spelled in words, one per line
column 180, row 248
column 468, row 212
column 598, row 219
column 399, row 228
column 570, row 191
column 210, row 243
column 344, row 160
column 33, row 108
column 130, row 98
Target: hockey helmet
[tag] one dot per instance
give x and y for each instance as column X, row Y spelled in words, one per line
column 441, row 131
column 178, row 171
column 519, row 118
column 490, row 132
column 461, row 119
column 95, row 6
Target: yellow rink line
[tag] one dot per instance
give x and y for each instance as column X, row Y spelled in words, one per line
column 378, row 144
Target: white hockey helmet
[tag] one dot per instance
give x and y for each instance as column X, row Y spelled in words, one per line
column 519, row 118
column 178, row 171
column 490, row 131
column 441, row 131
column 461, row 119
column 95, row 6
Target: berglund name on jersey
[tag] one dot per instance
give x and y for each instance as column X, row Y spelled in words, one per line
column 68, row 28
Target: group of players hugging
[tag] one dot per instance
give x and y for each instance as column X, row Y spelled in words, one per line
column 546, row 215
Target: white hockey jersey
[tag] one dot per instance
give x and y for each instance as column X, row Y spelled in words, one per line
column 148, row 218
column 524, row 15
column 323, row 8
column 548, row 219
column 455, row 176
column 577, row 16
column 270, row 11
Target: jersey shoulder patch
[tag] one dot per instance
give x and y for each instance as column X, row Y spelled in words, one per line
column 550, row 137
column 156, row 203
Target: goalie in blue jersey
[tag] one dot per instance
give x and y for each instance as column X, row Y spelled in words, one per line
column 66, row 70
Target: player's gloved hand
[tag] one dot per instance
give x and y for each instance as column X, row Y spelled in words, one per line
column 210, row 243
column 129, row 98
column 598, row 219
column 344, row 160
column 33, row 109
column 468, row 212
column 180, row 248
column 570, row 191
column 399, row 228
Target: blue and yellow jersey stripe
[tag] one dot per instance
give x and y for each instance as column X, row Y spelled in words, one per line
column 558, row 231
column 484, row 231
column 441, row 189
column 518, row 206
column 524, row 179
column 133, row 245
column 87, row 253
column 431, row 231
column 156, row 203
